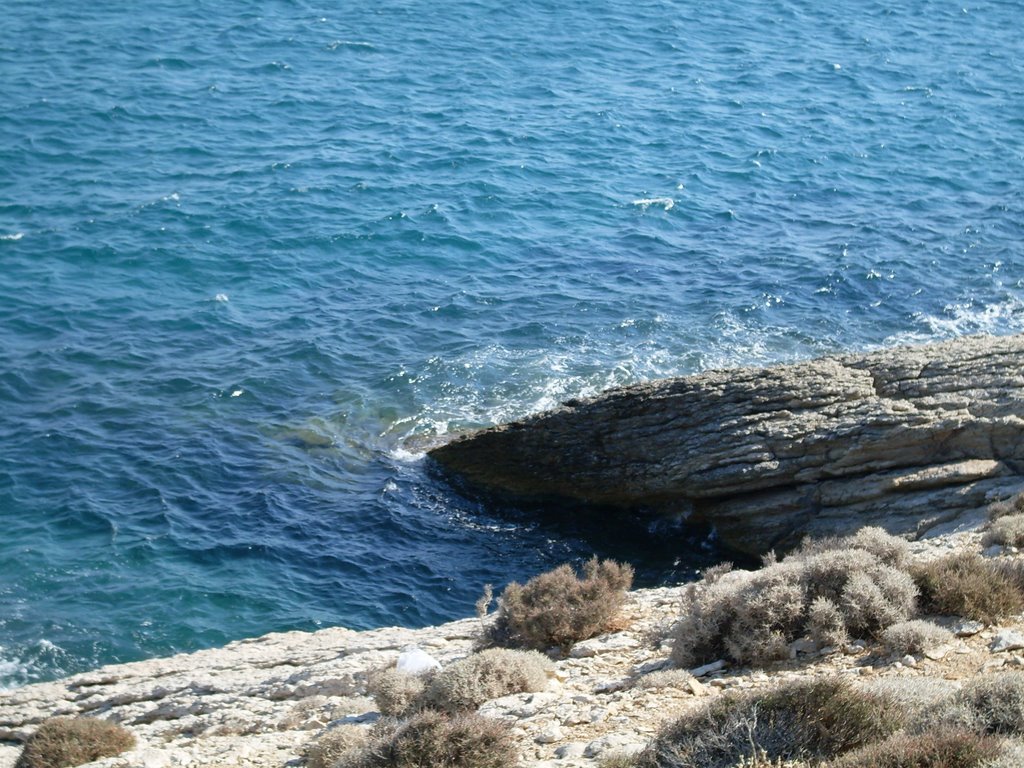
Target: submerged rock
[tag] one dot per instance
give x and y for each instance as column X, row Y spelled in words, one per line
column 917, row 440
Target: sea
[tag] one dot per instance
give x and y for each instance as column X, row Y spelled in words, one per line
column 257, row 255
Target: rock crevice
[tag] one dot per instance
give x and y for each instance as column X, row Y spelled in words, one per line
column 913, row 439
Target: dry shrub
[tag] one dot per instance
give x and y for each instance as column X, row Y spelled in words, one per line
column 915, row 636
column 890, row 549
column 808, row 720
column 997, row 701
column 1006, row 531
column 1011, row 506
column 328, row 749
column 394, row 692
column 913, row 694
column 826, row 592
column 64, row 741
column 968, row 585
column 486, row 675
column 933, row 749
column 558, row 609
column 435, row 739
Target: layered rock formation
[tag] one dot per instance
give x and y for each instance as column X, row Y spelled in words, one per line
column 917, row 440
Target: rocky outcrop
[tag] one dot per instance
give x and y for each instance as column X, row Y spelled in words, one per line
column 259, row 703
column 917, row 440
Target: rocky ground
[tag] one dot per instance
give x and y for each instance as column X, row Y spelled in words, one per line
column 259, row 702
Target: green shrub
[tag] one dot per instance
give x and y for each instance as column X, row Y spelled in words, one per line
column 934, row 749
column 433, row 739
column 62, row 742
column 915, row 636
column 558, row 609
column 830, row 594
column 968, row 585
column 486, row 675
column 396, row 693
column 813, row 721
column 335, row 742
column 1006, row 531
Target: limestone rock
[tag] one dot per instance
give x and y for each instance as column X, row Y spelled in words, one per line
column 915, row 439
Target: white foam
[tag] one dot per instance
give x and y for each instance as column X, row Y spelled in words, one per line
column 13, row 237
column 222, row 297
column 965, row 318
column 646, row 202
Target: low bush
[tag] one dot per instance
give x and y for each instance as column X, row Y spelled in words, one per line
column 328, row 749
column 889, row 549
column 829, row 593
column 486, row 675
column 558, row 608
column 663, row 678
column 62, row 742
column 915, row 636
column 435, row 740
column 1006, row 531
column 934, row 749
column 396, row 693
column 997, row 701
column 968, row 585
column 813, row 721
column 1011, row 506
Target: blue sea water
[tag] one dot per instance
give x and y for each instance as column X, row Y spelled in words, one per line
column 254, row 256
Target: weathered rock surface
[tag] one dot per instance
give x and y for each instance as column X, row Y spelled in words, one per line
column 259, row 703
column 915, row 439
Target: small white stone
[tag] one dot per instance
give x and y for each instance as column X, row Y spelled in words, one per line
column 1007, row 640
column 909, row 661
column 550, row 735
column 571, row 750
column 967, row 628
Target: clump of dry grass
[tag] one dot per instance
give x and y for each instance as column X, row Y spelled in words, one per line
column 1011, row 506
column 395, row 692
column 335, row 742
column 831, row 590
column 933, row 749
column 809, row 720
column 1006, row 531
column 968, row 585
column 486, row 675
column 436, row 739
column 62, row 742
column 915, row 636
column 559, row 608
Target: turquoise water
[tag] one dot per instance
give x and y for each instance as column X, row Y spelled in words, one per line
column 254, row 256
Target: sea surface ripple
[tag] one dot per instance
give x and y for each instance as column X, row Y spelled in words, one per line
column 254, row 256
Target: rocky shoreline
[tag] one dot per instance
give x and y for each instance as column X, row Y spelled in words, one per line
column 258, row 703
column 916, row 440
column 931, row 434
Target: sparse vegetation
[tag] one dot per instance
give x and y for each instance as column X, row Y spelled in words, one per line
column 335, row 742
column 997, row 701
column 933, row 749
column 396, row 693
column 558, row 608
column 814, row 721
column 831, row 590
column 1006, row 531
column 1011, row 506
column 486, row 675
column 968, row 585
column 915, row 636
column 436, row 739
column 62, row 742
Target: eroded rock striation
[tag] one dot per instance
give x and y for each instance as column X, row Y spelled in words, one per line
column 917, row 440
